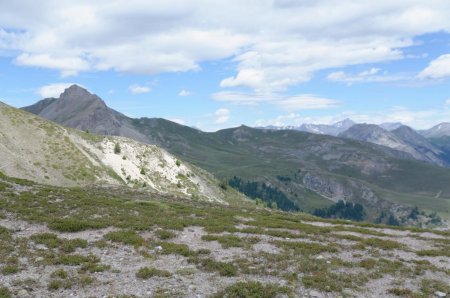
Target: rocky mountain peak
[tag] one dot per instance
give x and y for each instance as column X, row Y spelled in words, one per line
column 76, row 95
column 75, row 90
column 362, row 131
column 391, row 125
column 437, row 131
column 346, row 123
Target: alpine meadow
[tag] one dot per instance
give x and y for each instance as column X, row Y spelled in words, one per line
column 238, row 149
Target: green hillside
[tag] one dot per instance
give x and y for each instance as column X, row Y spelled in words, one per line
column 42, row 151
column 283, row 158
column 285, row 167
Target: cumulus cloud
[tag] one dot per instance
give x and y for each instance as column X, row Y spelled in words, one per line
column 173, row 35
column 137, row 89
column 447, row 102
column 437, row 69
column 222, row 115
column 69, row 66
column 184, row 93
column 53, row 90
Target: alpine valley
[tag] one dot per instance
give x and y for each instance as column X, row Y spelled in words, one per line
column 97, row 204
column 388, row 171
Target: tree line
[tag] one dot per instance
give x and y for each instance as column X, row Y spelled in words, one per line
column 272, row 196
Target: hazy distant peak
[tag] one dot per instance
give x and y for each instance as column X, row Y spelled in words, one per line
column 391, row 125
column 347, row 122
column 439, row 130
column 404, row 128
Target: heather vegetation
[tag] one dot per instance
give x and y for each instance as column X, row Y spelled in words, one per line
column 129, row 242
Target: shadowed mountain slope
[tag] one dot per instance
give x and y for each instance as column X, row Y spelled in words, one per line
column 311, row 170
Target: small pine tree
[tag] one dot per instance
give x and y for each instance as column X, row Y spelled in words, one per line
column 392, row 221
column 414, row 213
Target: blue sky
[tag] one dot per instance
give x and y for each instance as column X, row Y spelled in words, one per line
column 214, row 65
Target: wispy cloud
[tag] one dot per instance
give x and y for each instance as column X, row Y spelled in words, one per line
column 137, row 89
column 289, row 103
column 184, row 93
column 372, row 75
column 437, row 69
column 222, row 115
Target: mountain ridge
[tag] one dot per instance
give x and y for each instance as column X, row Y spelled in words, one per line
column 402, row 138
column 311, row 170
column 45, row 152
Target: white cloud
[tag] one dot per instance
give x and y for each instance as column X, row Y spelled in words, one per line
column 184, row 93
column 437, row 69
column 371, row 75
column 447, row 102
column 53, row 90
column 291, row 119
column 137, row 89
column 275, row 65
column 69, row 66
column 222, row 115
column 150, row 37
column 243, row 98
column 306, row 102
column 289, row 103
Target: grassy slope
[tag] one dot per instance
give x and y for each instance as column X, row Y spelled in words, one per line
column 262, row 155
column 43, row 151
column 40, row 150
column 353, row 255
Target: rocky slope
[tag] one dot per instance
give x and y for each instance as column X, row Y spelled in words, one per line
column 310, row 170
column 403, row 139
column 440, row 130
column 78, row 108
column 390, row 125
column 42, row 151
column 91, row 242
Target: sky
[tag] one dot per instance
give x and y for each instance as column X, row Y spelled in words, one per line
column 217, row 64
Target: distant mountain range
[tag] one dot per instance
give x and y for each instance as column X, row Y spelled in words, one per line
column 386, row 171
column 439, row 130
column 403, row 138
column 324, row 129
column 432, row 145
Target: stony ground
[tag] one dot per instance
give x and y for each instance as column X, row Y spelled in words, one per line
column 58, row 242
